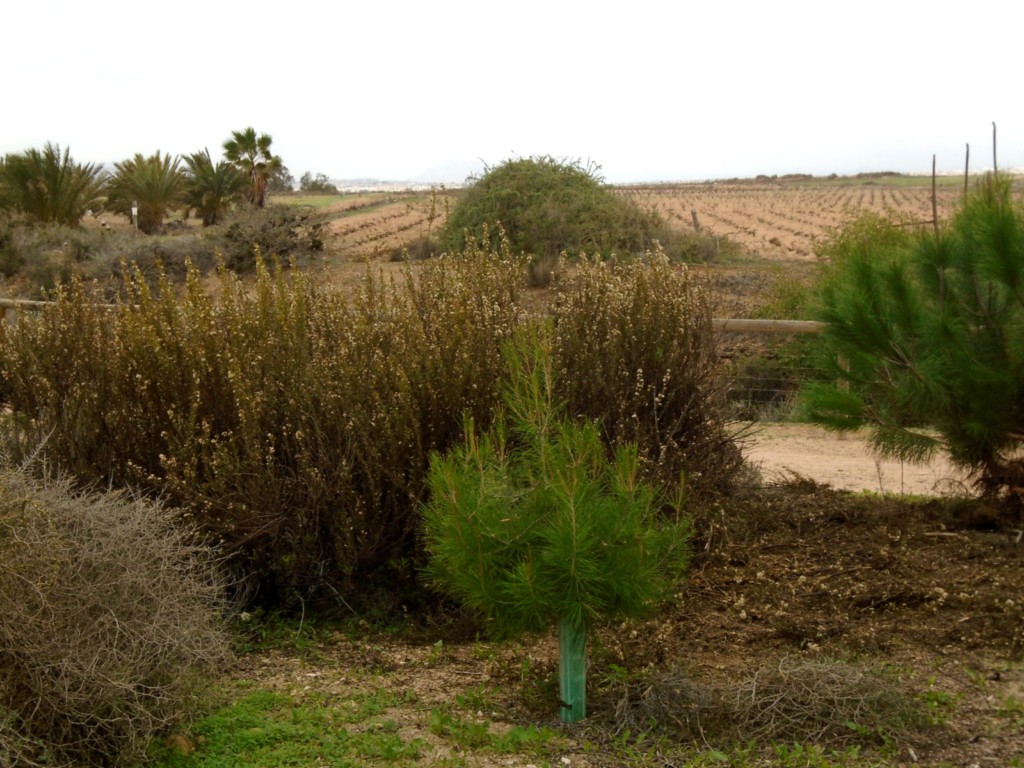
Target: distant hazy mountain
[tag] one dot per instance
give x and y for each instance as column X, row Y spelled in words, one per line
column 451, row 172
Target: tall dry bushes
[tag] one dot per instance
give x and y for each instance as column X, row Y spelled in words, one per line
column 296, row 426
column 293, row 425
column 111, row 613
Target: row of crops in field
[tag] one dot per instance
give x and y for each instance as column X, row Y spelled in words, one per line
column 781, row 221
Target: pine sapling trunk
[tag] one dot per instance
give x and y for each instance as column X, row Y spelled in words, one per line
column 572, row 671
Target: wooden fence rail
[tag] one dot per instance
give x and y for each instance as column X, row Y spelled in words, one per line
column 11, row 307
column 738, row 325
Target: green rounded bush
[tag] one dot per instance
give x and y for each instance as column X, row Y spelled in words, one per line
column 545, row 206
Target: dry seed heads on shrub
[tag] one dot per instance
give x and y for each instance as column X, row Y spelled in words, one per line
column 635, row 350
column 295, row 426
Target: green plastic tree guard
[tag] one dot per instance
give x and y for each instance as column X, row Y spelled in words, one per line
column 572, row 671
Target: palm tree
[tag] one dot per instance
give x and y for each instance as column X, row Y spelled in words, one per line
column 154, row 184
column 211, row 188
column 48, row 186
column 251, row 154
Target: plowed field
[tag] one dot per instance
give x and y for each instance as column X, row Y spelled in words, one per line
column 772, row 220
column 781, row 221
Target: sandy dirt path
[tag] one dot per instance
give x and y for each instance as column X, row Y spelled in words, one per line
column 845, row 461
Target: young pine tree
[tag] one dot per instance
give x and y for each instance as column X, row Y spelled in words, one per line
column 532, row 525
column 930, row 329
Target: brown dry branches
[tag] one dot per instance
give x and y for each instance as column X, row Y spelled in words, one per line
column 110, row 614
column 796, row 700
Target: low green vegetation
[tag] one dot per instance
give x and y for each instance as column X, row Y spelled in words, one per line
column 264, row 729
column 1012, row 709
column 317, row 201
column 316, row 185
column 800, row 712
column 467, row 731
column 35, row 259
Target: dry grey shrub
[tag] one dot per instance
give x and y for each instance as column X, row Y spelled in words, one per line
column 819, row 700
column 111, row 615
column 795, row 700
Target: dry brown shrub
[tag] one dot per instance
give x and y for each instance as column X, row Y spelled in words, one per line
column 674, row 701
column 111, row 615
column 543, row 270
column 819, row 700
column 293, row 423
column 794, row 700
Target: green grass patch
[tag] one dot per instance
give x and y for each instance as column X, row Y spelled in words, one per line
column 267, row 728
column 482, row 735
column 350, row 203
column 1012, row 709
column 262, row 631
column 263, row 728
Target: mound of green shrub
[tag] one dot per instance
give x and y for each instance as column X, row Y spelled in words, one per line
column 111, row 613
column 280, row 231
column 545, row 206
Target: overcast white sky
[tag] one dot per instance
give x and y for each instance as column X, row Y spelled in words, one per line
column 648, row 90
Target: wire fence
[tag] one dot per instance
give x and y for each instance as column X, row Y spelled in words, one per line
column 768, row 390
column 767, row 363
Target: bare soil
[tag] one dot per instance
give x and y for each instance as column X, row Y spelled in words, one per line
column 845, row 461
column 925, row 591
column 781, row 221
